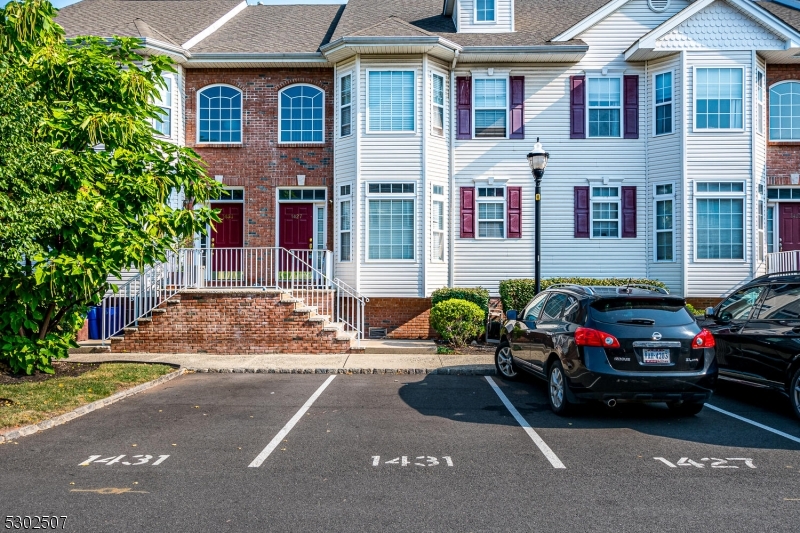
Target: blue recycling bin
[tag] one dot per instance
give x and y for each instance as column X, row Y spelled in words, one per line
column 94, row 322
column 113, row 321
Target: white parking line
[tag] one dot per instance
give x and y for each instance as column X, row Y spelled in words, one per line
column 548, row 453
column 754, row 423
column 288, row 427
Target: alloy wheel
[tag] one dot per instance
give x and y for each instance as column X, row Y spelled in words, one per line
column 505, row 362
column 556, row 387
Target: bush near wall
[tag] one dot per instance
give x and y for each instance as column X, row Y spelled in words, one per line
column 457, row 321
column 516, row 293
column 478, row 295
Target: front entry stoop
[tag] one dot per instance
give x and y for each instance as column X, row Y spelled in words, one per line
column 235, row 321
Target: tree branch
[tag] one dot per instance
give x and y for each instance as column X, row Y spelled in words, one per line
column 46, row 323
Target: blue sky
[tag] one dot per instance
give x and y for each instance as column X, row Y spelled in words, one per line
column 62, row 3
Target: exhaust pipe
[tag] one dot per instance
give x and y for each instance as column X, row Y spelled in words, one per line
column 611, row 403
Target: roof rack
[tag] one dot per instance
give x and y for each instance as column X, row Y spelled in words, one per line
column 583, row 288
column 617, row 289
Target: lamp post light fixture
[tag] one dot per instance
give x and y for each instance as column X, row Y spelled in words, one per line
column 537, row 160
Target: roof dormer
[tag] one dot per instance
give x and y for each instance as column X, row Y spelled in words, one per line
column 481, row 16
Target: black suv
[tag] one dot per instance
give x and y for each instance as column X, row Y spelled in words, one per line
column 757, row 329
column 610, row 343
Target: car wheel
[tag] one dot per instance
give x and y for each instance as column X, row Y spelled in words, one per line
column 685, row 408
column 794, row 392
column 557, row 389
column 504, row 362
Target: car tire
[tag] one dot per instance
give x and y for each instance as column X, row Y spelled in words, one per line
column 557, row 390
column 504, row 362
column 794, row 392
column 685, row 408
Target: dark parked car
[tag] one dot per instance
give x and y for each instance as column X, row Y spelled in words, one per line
column 609, row 344
column 757, row 329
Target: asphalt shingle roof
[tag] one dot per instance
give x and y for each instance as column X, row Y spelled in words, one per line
column 786, row 14
column 177, row 20
column 274, row 29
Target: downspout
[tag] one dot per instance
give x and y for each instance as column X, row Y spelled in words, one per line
column 684, row 177
column 453, row 96
column 358, row 195
column 649, row 189
column 424, row 139
column 754, row 186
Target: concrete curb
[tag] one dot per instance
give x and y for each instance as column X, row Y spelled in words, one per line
column 24, row 431
column 476, row 370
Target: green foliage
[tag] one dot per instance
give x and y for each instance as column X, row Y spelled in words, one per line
column 695, row 312
column 83, row 181
column 444, row 350
column 516, row 293
column 457, row 321
column 478, row 295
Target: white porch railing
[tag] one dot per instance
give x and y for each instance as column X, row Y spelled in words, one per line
column 304, row 274
column 783, row 261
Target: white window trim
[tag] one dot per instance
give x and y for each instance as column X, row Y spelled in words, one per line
column 494, row 184
column 197, row 116
column 495, row 76
column 390, row 196
column 605, row 200
column 280, row 110
column 712, row 131
column 671, row 103
column 712, row 195
column 768, row 114
column 483, row 22
column 441, row 199
column 413, row 131
column 442, row 106
column 761, row 102
column 172, row 85
column 660, row 198
column 341, row 200
column 341, row 107
column 620, row 107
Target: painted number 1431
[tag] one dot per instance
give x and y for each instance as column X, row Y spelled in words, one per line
column 136, row 460
column 422, row 460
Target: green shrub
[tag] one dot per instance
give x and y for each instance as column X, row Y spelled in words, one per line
column 478, row 295
column 457, row 321
column 516, row 293
column 694, row 311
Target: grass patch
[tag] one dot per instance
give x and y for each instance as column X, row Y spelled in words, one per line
column 444, row 350
column 31, row 402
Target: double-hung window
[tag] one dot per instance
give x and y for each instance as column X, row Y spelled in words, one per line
column 605, row 204
column 391, row 221
column 390, row 101
column 605, row 106
column 663, row 103
column 760, row 102
column 345, row 105
column 784, row 111
column 718, row 98
column 664, row 210
column 719, row 220
column 345, row 223
column 491, row 107
column 484, row 11
column 163, row 124
column 437, row 104
column 491, row 204
column 437, row 237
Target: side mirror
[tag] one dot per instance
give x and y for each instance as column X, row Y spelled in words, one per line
column 709, row 312
column 511, row 314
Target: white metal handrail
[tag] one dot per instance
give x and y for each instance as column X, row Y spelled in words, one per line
column 783, row 261
column 304, row 274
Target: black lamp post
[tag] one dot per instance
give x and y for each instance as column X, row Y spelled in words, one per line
column 537, row 160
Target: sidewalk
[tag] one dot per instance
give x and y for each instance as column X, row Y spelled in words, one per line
column 397, row 357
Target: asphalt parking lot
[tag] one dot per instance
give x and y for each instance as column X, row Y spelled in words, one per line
column 272, row 452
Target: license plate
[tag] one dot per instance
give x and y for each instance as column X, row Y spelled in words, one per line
column 655, row 357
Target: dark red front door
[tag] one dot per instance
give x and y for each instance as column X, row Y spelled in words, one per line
column 789, row 227
column 228, row 233
column 296, row 231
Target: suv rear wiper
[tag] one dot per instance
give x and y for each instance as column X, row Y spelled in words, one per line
column 643, row 321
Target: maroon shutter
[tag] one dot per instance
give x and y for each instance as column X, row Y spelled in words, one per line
column 577, row 107
column 467, row 213
column 631, row 105
column 464, row 107
column 517, row 107
column 628, row 212
column 514, row 212
column 581, row 212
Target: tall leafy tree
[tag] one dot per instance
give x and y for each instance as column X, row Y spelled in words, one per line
column 83, row 181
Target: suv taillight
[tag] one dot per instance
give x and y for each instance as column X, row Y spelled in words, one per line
column 704, row 339
column 592, row 337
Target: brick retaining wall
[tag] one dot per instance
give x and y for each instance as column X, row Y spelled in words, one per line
column 403, row 318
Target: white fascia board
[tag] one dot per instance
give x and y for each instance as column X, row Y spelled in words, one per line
column 166, row 48
column 590, row 21
column 217, row 25
column 791, row 35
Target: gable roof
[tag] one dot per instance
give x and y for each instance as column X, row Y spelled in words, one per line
column 784, row 13
column 176, row 20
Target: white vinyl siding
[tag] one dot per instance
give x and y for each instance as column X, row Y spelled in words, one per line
column 604, row 106
column 719, row 98
column 484, row 16
column 390, row 96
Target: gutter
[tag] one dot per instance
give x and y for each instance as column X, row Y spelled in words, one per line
column 536, row 49
column 247, row 57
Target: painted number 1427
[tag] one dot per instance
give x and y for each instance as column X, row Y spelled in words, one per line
column 422, row 460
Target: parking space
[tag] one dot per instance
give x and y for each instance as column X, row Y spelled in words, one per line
column 387, row 452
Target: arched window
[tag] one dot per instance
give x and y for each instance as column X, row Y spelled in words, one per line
column 784, row 111
column 301, row 114
column 220, row 115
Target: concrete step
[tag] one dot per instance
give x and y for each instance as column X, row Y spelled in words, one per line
column 173, row 302
column 90, row 349
column 320, row 318
column 398, row 346
column 130, row 330
column 333, row 326
column 159, row 311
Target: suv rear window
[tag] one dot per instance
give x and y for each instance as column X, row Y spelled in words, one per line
column 641, row 311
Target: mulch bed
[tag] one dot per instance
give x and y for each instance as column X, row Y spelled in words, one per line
column 472, row 349
column 63, row 369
